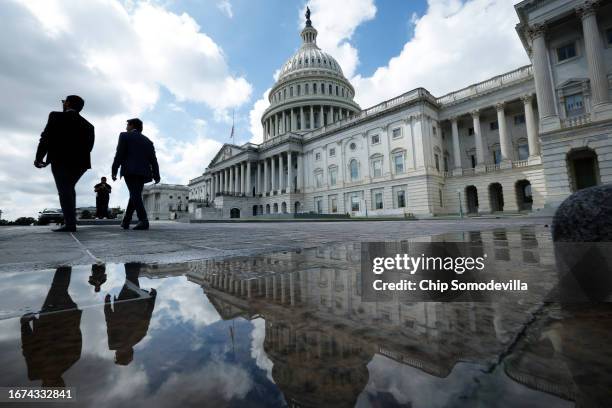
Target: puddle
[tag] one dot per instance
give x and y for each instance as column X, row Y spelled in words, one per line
column 291, row 329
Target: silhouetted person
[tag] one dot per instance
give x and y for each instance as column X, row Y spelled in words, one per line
column 98, row 276
column 103, row 191
column 127, row 320
column 136, row 157
column 66, row 142
column 52, row 342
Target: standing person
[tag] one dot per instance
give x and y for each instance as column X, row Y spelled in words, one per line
column 136, row 157
column 103, row 191
column 67, row 142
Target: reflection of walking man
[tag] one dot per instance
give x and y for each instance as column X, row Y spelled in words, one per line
column 66, row 142
column 52, row 342
column 127, row 320
column 103, row 191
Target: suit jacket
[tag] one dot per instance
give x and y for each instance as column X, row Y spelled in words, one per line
column 136, row 156
column 67, row 140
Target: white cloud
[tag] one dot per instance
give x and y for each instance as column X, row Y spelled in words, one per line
column 455, row 44
column 226, row 8
column 336, row 22
column 119, row 67
column 255, row 117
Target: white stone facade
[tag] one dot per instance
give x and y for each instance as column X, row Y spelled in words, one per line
column 165, row 201
column 521, row 141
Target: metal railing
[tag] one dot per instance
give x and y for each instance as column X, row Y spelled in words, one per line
column 520, row 163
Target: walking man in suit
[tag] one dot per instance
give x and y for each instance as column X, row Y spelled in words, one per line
column 136, row 157
column 67, row 141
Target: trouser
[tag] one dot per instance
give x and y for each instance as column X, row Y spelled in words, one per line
column 102, row 206
column 65, row 181
column 135, row 185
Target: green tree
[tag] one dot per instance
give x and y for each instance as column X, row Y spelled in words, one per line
column 24, row 221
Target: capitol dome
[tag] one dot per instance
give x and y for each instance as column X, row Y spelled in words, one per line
column 311, row 91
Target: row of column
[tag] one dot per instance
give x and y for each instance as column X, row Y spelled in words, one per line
column 504, row 137
column 303, row 118
column 598, row 78
column 269, row 286
column 270, row 176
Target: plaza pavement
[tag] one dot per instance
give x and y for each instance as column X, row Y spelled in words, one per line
column 33, row 248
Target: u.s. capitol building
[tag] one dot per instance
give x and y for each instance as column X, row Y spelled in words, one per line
column 519, row 142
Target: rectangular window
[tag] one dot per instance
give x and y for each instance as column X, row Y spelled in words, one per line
column 319, row 180
column 291, row 91
column 322, row 88
column 434, row 129
column 333, row 204
column 497, row 157
column 317, row 156
column 314, row 89
column 375, row 139
column 445, row 163
column 437, row 161
column 306, row 89
column 298, row 90
column 329, row 89
column 574, row 105
column 523, row 152
column 471, row 131
column 494, row 125
column 566, row 51
column 399, row 163
column 354, row 202
column 473, row 159
column 377, row 167
column 519, row 119
column 337, row 91
column 377, row 199
column 319, row 205
column 400, row 196
column 397, row 132
column 333, row 174
column 332, row 152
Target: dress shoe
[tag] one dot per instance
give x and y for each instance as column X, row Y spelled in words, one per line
column 142, row 225
column 125, row 225
column 65, row 228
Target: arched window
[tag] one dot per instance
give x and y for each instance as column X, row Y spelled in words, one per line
column 354, row 169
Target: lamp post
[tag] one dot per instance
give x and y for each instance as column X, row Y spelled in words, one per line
column 460, row 203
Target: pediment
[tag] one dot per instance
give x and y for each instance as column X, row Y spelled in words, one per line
column 226, row 152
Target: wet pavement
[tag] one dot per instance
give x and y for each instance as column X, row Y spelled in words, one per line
column 290, row 328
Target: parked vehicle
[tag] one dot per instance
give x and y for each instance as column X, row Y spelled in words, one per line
column 49, row 215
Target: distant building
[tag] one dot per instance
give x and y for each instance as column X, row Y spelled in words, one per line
column 166, row 201
column 519, row 142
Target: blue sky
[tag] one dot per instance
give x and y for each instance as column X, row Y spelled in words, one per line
column 184, row 66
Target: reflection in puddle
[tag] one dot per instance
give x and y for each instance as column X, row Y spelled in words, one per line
column 291, row 329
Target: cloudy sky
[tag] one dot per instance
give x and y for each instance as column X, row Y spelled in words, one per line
column 184, row 66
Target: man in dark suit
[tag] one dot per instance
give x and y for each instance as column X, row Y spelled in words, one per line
column 103, row 191
column 67, row 142
column 136, row 157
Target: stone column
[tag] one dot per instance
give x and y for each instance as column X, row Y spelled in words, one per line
column 478, row 138
column 281, row 172
column 549, row 119
column 231, row 179
column 302, row 125
column 283, row 124
column 258, row 183
column 273, row 172
column 243, row 178
column 311, row 117
column 227, row 181
column 300, row 172
column 293, row 120
column 266, row 178
column 456, row 146
column 530, row 124
column 594, row 56
column 249, row 190
column 504, row 140
column 289, row 173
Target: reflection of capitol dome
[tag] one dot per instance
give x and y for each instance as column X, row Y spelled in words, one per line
column 311, row 91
